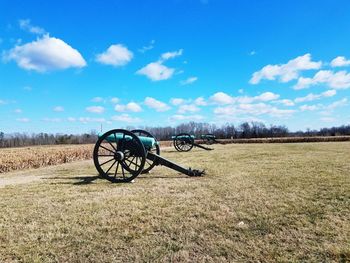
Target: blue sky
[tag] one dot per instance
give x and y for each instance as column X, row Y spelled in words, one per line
column 68, row 66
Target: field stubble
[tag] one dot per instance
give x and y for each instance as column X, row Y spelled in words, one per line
column 257, row 203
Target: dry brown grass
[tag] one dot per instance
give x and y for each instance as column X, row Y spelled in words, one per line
column 39, row 156
column 257, row 203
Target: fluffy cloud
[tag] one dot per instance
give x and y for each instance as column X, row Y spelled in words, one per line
column 177, row 101
column 340, row 62
column 95, row 109
column 115, row 55
column 285, row 72
column 156, row 104
column 17, row 111
column 87, row 120
column 156, row 71
column 222, row 98
column 309, row 107
column 285, row 102
column 338, row 80
column 267, row 96
column 169, row 55
column 149, row 47
column 45, row 54
column 131, row 106
column 188, row 108
column 252, row 109
column 26, row 25
column 125, row 118
column 200, row 101
column 55, row 120
column 179, row 117
column 312, row 97
column 188, row 81
column 338, row 103
column 58, row 109
column 115, row 100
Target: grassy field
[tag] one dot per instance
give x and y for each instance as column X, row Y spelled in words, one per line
column 257, row 203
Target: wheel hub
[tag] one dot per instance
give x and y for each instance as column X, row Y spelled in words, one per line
column 119, row 156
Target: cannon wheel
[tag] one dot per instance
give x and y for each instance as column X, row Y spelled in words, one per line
column 148, row 164
column 119, row 160
column 183, row 142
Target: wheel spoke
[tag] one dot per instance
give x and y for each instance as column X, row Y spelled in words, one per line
column 123, row 171
column 107, row 161
column 111, row 145
column 105, row 155
column 111, row 166
column 106, row 148
column 116, row 170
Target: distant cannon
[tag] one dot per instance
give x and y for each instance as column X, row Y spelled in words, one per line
column 184, row 142
column 121, row 155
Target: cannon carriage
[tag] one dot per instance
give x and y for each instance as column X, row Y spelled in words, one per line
column 184, row 142
column 121, row 155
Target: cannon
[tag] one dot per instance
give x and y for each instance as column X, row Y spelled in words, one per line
column 184, row 142
column 121, row 155
column 209, row 138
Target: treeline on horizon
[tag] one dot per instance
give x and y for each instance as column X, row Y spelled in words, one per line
column 245, row 130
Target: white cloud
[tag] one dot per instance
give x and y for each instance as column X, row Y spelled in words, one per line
column 149, row 47
column 252, row 109
column 285, row 102
column 156, row 104
column 285, row 72
column 200, row 101
column 188, row 81
column 17, row 110
column 131, row 106
column 179, row 117
column 170, row 55
column 58, row 109
column 95, row 109
column 97, row 99
column 177, row 101
column 338, row 103
column 115, row 55
column 2, row 102
column 87, row 120
column 45, row 54
column 125, row 118
column 156, row 71
column 340, row 62
column 222, row 98
column 188, row 108
column 23, row 120
column 115, row 100
column 338, row 80
column 267, row 96
column 55, row 120
column 71, row 119
column 312, row 97
column 26, row 25
column 309, row 107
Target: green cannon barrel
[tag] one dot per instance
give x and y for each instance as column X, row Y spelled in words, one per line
column 147, row 142
column 183, row 137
